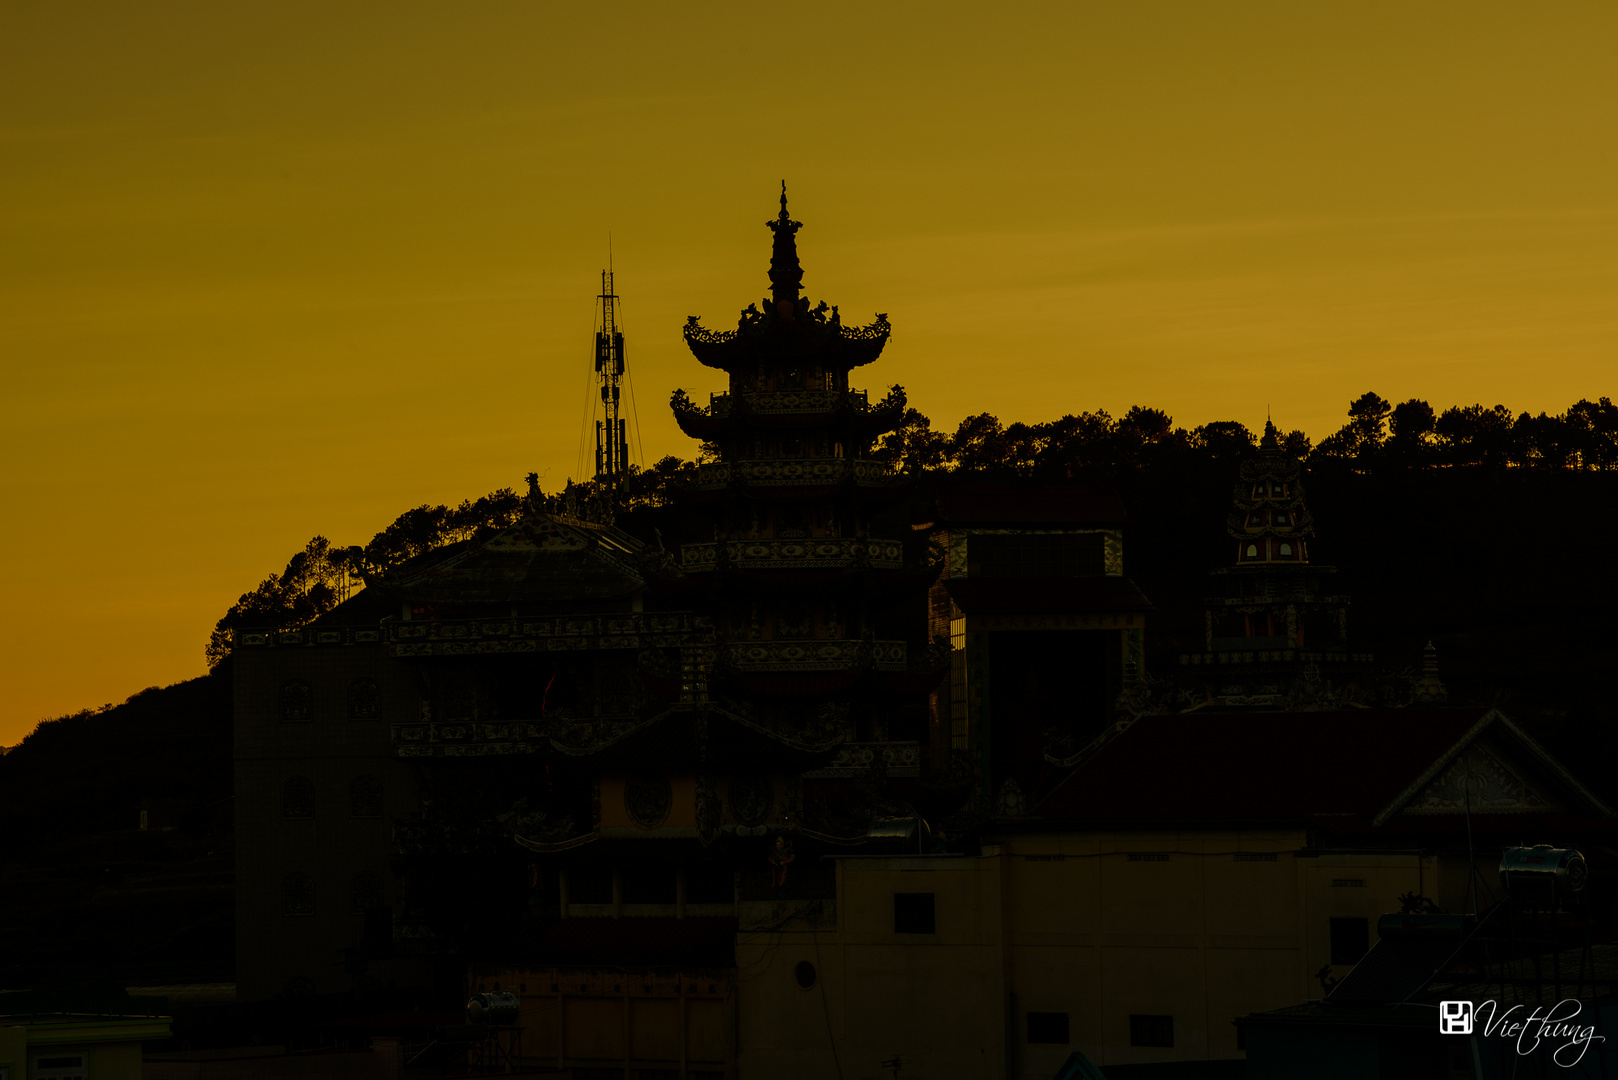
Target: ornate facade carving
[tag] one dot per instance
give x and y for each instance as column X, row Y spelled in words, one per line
column 297, row 702
column 751, row 800
column 1478, row 781
column 647, row 800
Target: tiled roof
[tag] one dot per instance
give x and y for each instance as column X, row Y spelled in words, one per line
column 1066, row 504
column 1259, row 766
column 1015, row 595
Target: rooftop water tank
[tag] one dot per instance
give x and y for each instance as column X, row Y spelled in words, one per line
column 1542, row 874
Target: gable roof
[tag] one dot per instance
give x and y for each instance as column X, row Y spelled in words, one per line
column 543, row 558
column 1363, row 763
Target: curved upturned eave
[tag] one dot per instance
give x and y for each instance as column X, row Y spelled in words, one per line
column 867, row 424
column 701, row 425
column 836, row 351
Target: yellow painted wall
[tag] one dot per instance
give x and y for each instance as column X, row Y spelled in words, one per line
column 13, row 1048
column 682, row 809
column 577, row 1017
column 1060, row 923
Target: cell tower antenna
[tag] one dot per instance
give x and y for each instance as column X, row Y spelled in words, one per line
column 612, row 448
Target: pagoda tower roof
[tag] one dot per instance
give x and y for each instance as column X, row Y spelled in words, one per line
column 787, row 327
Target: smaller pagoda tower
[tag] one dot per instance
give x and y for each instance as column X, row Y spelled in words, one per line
column 1276, row 630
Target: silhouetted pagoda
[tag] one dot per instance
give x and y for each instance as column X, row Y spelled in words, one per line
column 1276, row 629
column 808, row 602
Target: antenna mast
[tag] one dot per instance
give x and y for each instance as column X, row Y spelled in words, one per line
column 612, row 448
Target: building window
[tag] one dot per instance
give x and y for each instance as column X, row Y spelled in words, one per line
column 364, row 893
column 297, row 895
column 362, row 699
column 1286, row 551
column 54, row 1066
column 365, row 796
column 1047, row 1028
column 296, row 702
column 1252, row 551
column 913, row 913
column 1151, row 1030
column 1350, row 940
column 804, row 972
column 298, row 797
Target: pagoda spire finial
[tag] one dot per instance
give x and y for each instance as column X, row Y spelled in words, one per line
column 1272, row 438
column 786, row 276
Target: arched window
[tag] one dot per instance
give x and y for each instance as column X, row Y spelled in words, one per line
column 1252, row 551
column 364, row 893
column 365, row 796
column 297, row 895
column 297, row 702
column 298, row 797
column 362, row 699
column 1286, row 550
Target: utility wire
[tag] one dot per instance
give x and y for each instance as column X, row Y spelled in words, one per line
column 588, row 413
column 634, row 410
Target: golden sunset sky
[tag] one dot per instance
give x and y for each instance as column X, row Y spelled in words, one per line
column 273, row 270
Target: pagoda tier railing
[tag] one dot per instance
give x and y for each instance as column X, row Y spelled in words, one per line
column 822, row 554
column 626, row 630
column 525, row 633
column 1324, row 657
column 815, row 654
column 723, row 404
column 853, row 759
column 786, row 402
column 479, row 738
column 796, row 472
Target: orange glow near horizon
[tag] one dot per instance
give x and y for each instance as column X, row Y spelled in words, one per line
column 279, row 270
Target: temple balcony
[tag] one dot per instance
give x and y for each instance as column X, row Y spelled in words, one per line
column 830, row 553
column 796, row 472
column 816, row 654
column 786, row 402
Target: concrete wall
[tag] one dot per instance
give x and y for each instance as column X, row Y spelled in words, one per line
column 333, row 846
column 1058, row 924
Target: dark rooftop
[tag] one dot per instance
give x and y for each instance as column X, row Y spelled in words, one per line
column 1006, row 504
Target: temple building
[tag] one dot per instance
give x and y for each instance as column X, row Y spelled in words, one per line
column 1044, row 629
column 1276, row 623
column 814, row 605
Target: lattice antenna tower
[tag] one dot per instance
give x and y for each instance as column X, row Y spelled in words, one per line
column 612, row 447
